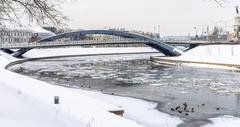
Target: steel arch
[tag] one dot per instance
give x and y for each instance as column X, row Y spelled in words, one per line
column 160, row 46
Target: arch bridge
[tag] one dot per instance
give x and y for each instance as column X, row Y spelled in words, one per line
column 156, row 44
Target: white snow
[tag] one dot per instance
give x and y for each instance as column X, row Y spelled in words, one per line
column 84, row 108
column 228, row 54
column 18, row 110
column 216, row 54
column 40, row 30
column 140, row 111
column 224, row 121
column 78, row 107
column 81, row 51
column 6, row 59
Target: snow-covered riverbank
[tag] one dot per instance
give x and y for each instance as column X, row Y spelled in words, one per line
column 83, row 51
column 77, row 107
column 211, row 56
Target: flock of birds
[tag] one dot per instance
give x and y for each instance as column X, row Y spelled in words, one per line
column 185, row 109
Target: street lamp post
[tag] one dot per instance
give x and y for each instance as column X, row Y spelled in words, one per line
column 196, row 36
column 159, row 31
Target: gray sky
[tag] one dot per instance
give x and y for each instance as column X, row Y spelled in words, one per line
column 175, row 17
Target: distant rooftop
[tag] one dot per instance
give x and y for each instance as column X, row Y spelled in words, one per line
column 30, row 29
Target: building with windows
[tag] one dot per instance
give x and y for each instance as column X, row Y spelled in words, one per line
column 15, row 35
column 23, row 35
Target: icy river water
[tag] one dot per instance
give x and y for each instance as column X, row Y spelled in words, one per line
column 189, row 92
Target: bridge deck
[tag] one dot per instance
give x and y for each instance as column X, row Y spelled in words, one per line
column 90, row 42
column 201, row 42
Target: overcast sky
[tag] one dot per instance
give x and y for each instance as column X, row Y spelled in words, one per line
column 175, row 17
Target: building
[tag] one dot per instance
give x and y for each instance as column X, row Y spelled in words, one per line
column 15, row 35
column 23, row 35
column 237, row 27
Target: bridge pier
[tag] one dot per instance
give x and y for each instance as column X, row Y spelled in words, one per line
column 20, row 52
column 8, row 51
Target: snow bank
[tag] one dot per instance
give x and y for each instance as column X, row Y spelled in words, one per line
column 211, row 56
column 228, row 54
column 17, row 110
column 78, row 108
column 140, row 111
column 81, row 51
column 86, row 111
column 224, row 121
column 5, row 59
column 82, row 110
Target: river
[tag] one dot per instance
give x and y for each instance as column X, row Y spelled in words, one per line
column 201, row 93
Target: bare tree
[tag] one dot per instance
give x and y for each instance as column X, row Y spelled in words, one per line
column 220, row 2
column 39, row 11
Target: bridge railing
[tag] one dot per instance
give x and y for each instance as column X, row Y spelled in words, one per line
column 94, row 42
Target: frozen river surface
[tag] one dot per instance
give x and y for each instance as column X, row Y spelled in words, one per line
column 192, row 93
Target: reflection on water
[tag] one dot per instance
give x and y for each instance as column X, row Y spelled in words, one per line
column 210, row 92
